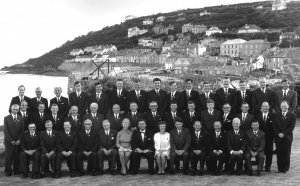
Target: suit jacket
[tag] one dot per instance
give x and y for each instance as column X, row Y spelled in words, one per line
column 168, row 118
column 88, row 142
column 194, row 96
column 258, row 97
column 134, row 120
column 16, row 100
column 215, row 143
column 108, row 142
column 200, row 143
column 63, row 105
column 34, row 104
column 203, row 100
column 39, row 122
column 76, row 125
column 58, row 125
column 67, row 142
column 178, row 98
column 48, row 143
column 266, row 126
column 236, row 142
column 180, row 142
column 291, row 98
column 103, row 103
column 255, row 143
column 239, row 100
column 115, row 124
column 152, row 122
column 97, row 122
column 141, row 100
column 30, row 143
column 137, row 142
column 284, row 125
column 188, row 121
column 246, row 125
column 160, row 99
column 208, row 120
column 221, row 98
column 227, row 122
column 122, row 100
column 26, row 118
column 13, row 131
column 82, row 102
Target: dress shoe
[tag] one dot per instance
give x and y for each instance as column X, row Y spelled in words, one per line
column 72, row 174
column 57, row 175
column 193, row 172
column 16, row 172
column 250, row 173
column 36, row 175
column 268, row 169
column 42, row 175
column 258, row 172
column 112, row 172
column 25, row 175
column 172, row 171
column 231, row 172
column 94, row 173
column 200, row 173
column 8, row 174
column 185, row 172
column 81, row 173
column 53, row 175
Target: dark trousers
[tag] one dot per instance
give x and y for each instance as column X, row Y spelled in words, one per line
column 45, row 161
column 111, row 159
column 136, row 160
column 175, row 157
column 12, row 157
column 92, row 161
column 260, row 158
column 269, row 149
column 238, row 160
column 24, row 162
column 71, row 161
column 194, row 159
column 215, row 165
column 283, row 146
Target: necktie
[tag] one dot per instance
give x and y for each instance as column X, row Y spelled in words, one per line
column 188, row 93
column 236, row 132
column 32, row 134
column 154, row 114
column 119, row 93
column 244, row 117
column 23, row 115
column 54, row 117
column 224, row 118
column 106, row 132
column 88, row 133
column 218, row 134
column 283, row 115
column 15, row 119
column 226, row 91
column 94, row 115
column 42, row 116
column 157, row 91
column 22, row 98
column 243, row 95
column 138, row 94
column 116, row 116
column 174, row 115
column 78, row 94
column 143, row 135
column 98, row 96
column 191, row 115
column 133, row 114
column 265, row 117
column 284, row 94
column 57, row 99
column 197, row 134
column 179, row 132
column 49, row 133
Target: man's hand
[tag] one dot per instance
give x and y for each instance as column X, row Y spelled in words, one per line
column 281, row 135
column 13, row 142
column 146, row 151
column 17, row 142
column 138, row 150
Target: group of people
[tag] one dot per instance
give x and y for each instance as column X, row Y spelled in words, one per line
column 225, row 131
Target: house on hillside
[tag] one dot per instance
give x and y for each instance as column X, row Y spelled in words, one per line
column 180, row 19
column 249, row 29
column 232, row 48
column 160, row 29
column 129, row 17
column 205, row 12
column 179, row 66
column 134, row 31
column 212, row 30
column 83, row 58
column 279, row 4
column 90, row 49
column 253, row 48
column 161, row 19
column 105, row 49
column 149, row 42
column 148, row 21
column 167, row 46
column 76, row 52
column 193, row 28
column 136, row 56
column 289, row 36
column 257, row 63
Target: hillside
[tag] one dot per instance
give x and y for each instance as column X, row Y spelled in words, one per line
column 227, row 17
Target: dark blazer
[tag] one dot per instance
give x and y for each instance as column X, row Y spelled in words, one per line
column 82, row 102
column 168, row 118
column 115, row 124
column 26, row 118
column 75, row 125
column 39, row 122
column 239, row 100
column 13, row 131
column 152, row 123
column 63, row 105
column 178, row 98
column 58, row 125
column 200, row 143
column 188, row 121
column 103, row 103
column 122, row 100
column 134, row 120
column 180, row 142
column 236, row 142
column 194, row 96
column 291, row 98
column 215, row 143
column 97, row 122
column 31, row 143
column 160, row 99
column 16, row 100
column 48, row 143
column 258, row 97
column 88, row 142
column 141, row 100
column 221, row 98
column 67, row 142
column 108, row 142
column 266, row 126
column 227, row 122
column 208, row 120
column 246, row 125
column 203, row 100
column 34, row 104
column 137, row 142
column 255, row 143
column 284, row 125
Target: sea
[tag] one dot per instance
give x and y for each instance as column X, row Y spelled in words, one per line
column 10, row 83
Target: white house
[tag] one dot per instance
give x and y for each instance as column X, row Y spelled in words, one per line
column 90, row 49
column 148, row 21
column 201, row 50
column 83, row 59
column 249, row 29
column 279, row 4
column 213, row 30
column 76, row 52
column 134, row 31
column 161, row 19
column 129, row 17
column 204, row 13
column 258, row 63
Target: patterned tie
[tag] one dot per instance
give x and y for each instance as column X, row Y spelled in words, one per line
column 284, row 94
column 265, row 117
column 15, row 119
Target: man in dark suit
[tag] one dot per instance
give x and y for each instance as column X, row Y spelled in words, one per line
column 40, row 117
column 100, row 98
column 255, row 147
column 199, row 143
column 49, row 146
column 225, row 95
column 107, row 147
column 66, row 149
column 209, row 116
column 286, row 94
column 95, row 117
column 142, row 146
column 205, row 95
column 283, row 126
column 226, row 118
column 13, row 132
column 138, row 96
column 152, row 117
column 190, row 95
column 159, row 96
column 119, row 96
column 62, row 102
column 236, row 146
column 75, row 119
column 17, row 100
column 175, row 96
column 217, row 148
column 242, row 96
column 260, row 95
column 171, row 115
column 180, row 140
column 79, row 99
column 266, row 119
column 115, row 118
column 25, row 113
column 56, row 119
column 34, row 102
column 245, row 117
column 134, row 116
column 190, row 116
column 88, row 144
column 30, row 149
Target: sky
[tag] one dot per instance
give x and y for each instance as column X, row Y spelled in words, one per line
column 30, row 28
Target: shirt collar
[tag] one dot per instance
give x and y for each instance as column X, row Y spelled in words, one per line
column 286, row 90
